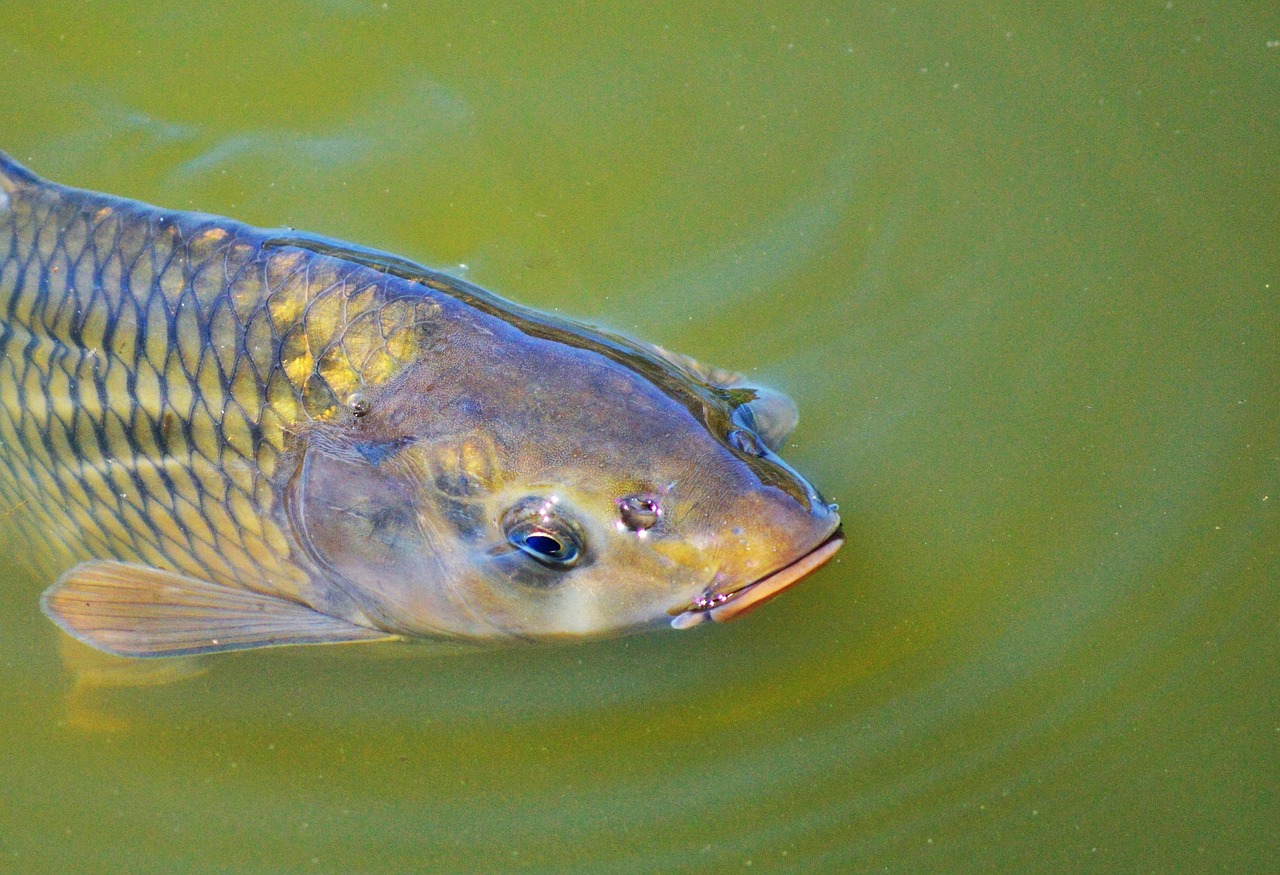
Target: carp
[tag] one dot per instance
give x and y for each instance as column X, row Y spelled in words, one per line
column 217, row 437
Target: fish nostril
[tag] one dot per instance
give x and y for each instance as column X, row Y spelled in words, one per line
column 639, row 512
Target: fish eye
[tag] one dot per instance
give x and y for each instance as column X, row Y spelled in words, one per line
column 547, row 547
column 639, row 512
column 538, row 530
column 746, row 442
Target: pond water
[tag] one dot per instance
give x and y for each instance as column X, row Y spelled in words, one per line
column 1020, row 270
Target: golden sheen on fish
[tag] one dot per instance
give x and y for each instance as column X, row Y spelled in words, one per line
column 222, row 437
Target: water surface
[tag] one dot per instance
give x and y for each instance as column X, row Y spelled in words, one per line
column 1019, row 268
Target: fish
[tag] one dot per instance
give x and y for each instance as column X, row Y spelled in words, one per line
column 217, row 437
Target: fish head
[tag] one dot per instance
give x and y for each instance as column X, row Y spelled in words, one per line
column 524, row 487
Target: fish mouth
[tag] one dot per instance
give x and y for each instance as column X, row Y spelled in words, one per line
column 723, row 607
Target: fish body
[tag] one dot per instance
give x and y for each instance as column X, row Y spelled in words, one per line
column 215, row 436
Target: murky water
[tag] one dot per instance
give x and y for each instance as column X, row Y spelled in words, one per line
column 1021, row 272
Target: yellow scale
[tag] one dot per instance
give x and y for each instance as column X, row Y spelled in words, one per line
column 139, row 357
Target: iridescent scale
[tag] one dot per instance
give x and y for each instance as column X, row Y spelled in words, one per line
column 152, row 367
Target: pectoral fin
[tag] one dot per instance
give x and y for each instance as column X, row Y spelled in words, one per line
column 774, row 417
column 772, row 414
column 706, row 373
column 134, row 610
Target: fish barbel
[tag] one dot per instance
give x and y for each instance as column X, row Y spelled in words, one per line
column 217, row 437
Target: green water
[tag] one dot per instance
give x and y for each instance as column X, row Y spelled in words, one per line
column 1020, row 268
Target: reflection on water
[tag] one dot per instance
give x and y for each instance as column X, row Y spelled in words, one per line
column 1018, row 271
column 415, row 114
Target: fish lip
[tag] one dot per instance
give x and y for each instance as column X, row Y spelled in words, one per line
column 725, row 606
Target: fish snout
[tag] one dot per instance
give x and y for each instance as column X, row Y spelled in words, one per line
column 783, row 544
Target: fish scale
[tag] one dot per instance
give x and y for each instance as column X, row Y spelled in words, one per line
column 153, row 365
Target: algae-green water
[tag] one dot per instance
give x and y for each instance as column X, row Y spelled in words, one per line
column 1018, row 265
